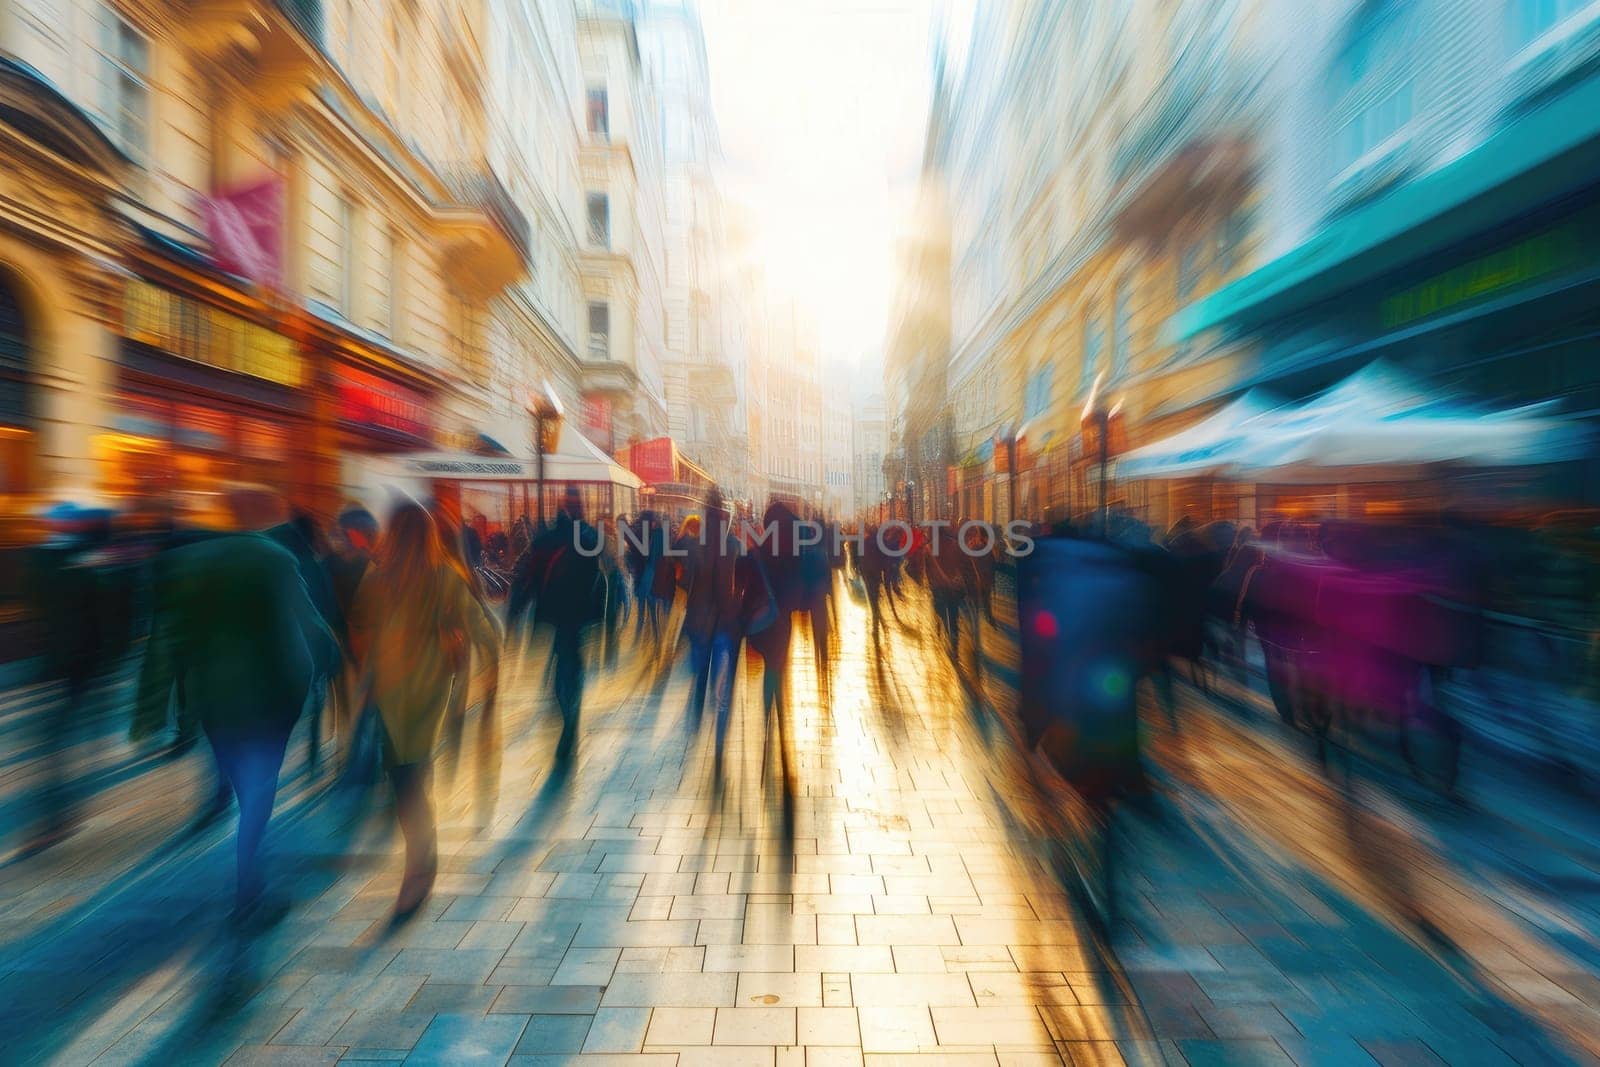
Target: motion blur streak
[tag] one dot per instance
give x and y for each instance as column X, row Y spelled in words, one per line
column 739, row 532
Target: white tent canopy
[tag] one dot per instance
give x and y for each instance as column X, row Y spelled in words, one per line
column 1203, row 446
column 1375, row 418
column 575, row 459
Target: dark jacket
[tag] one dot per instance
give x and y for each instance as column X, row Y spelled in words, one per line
column 234, row 626
column 561, row 585
column 715, row 584
column 83, row 600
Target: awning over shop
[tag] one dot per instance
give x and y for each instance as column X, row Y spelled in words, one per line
column 1197, row 449
column 1534, row 160
column 575, row 459
column 1377, row 417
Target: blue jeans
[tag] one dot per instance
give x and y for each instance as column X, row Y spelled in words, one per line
column 711, row 660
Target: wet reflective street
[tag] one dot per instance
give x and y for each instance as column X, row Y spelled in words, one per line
column 918, row 902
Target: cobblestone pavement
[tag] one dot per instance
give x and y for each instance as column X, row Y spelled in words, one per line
column 635, row 907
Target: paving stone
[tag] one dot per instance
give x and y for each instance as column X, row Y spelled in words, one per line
column 617, row 1030
column 469, row 1039
column 551, row 1035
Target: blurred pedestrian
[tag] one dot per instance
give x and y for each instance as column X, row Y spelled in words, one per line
column 715, row 584
column 560, row 579
column 81, row 596
column 304, row 542
column 415, row 618
column 950, row 578
column 235, row 629
column 357, row 727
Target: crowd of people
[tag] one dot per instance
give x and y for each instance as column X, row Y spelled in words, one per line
column 246, row 622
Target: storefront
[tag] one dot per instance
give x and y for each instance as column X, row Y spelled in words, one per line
column 16, row 409
column 1481, row 278
column 205, row 394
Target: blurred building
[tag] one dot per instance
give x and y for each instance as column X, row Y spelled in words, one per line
column 701, row 383
column 621, row 258
column 1431, row 187
column 920, row 449
column 242, row 240
column 870, row 444
column 791, row 401
column 538, row 115
column 1088, row 199
column 838, row 443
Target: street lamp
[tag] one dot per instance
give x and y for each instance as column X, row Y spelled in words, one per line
column 1013, row 439
column 1096, row 413
column 911, row 486
column 545, row 407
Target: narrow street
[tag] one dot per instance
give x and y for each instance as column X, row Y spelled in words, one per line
column 631, row 907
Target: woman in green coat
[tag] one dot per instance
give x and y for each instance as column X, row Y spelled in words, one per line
column 414, row 624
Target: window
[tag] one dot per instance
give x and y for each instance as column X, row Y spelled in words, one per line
column 1188, row 273
column 1037, row 399
column 347, row 257
column 126, row 53
column 1373, row 125
column 599, row 331
column 1121, row 328
column 389, row 312
column 1532, row 19
column 1231, row 241
column 600, row 220
column 1093, row 340
column 599, row 113
column 1375, row 77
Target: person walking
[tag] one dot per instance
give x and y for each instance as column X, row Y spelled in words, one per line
column 234, row 628
column 950, row 576
column 80, row 595
column 560, row 579
column 415, row 619
column 715, row 577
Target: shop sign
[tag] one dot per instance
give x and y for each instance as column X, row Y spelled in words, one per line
column 189, row 329
column 597, row 414
column 1541, row 256
column 373, row 401
column 653, row 461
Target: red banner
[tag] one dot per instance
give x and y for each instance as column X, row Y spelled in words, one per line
column 245, row 226
column 654, row 461
column 371, row 401
column 595, row 416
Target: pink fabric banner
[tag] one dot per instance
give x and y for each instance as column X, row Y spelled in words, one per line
column 245, row 226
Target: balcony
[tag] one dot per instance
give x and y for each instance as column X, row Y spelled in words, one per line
column 486, row 234
column 608, row 376
column 1188, row 133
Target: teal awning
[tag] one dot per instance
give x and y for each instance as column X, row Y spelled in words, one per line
column 1533, row 160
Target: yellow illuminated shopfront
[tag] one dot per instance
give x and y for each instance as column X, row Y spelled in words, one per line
column 205, row 396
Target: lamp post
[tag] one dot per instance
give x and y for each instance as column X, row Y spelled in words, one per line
column 545, row 407
column 911, row 487
column 1013, row 439
column 1097, row 414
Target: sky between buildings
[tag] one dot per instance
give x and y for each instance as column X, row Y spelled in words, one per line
column 822, row 106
